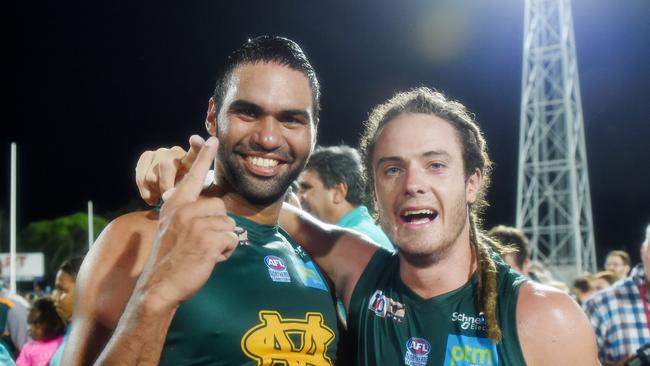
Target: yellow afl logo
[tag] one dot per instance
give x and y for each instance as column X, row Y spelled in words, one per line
column 289, row 342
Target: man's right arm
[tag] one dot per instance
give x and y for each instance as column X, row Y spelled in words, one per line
column 190, row 237
column 105, row 282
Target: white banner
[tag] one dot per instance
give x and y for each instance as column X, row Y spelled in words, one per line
column 29, row 266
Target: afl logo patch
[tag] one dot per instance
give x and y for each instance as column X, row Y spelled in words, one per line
column 275, row 263
column 417, row 351
column 277, row 269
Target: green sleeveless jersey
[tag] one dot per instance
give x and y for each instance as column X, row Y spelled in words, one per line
column 395, row 326
column 267, row 304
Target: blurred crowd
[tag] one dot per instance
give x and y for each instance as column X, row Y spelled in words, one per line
column 35, row 326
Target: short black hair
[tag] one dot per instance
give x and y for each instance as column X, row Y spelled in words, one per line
column 274, row 49
column 43, row 313
column 339, row 164
column 71, row 266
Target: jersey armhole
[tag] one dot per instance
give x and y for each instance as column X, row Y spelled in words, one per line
column 376, row 264
column 511, row 315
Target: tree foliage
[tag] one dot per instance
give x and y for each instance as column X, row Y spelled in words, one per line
column 59, row 238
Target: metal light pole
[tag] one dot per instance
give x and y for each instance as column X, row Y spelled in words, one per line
column 553, row 199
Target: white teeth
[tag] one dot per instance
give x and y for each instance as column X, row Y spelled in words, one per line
column 419, row 212
column 262, row 162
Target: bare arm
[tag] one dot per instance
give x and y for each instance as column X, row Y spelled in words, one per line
column 117, row 257
column 552, row 328
column 341, row 253
column 192, row 236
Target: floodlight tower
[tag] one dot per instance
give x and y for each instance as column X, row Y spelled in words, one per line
column 553, row 200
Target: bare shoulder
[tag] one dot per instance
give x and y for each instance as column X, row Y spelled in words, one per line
column 117, row 257
column 105, row 282
column 552, row 328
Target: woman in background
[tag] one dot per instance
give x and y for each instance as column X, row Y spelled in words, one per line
column 63, row 296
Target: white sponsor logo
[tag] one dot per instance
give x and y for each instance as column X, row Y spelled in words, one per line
column 469, row 322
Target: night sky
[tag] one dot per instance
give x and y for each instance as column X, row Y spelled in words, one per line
column 93, row 84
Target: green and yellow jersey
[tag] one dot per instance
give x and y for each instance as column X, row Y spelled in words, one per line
column 267, row 304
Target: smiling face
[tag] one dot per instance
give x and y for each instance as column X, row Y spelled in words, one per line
column 421, row 189
column 266, row 130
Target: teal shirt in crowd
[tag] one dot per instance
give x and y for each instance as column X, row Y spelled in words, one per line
column 5, row 357
column 58, row 355
column 360, row 220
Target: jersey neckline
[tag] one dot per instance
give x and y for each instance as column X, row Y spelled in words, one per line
column 255, row 233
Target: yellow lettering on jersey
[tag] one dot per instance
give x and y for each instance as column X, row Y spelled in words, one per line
column 288, row 342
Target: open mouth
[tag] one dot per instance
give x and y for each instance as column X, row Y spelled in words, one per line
column 263, row 163
column 262, row 167
column 421, row 216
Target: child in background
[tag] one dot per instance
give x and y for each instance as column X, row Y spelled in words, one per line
column 46, row 329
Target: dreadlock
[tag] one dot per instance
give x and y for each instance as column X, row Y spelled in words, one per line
column 475, row 156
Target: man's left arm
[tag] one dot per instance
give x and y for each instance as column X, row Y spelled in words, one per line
column 553, row 329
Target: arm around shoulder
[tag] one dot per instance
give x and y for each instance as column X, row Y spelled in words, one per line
column 341, row 253
column 553, row 329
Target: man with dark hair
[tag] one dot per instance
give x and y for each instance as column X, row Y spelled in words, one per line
column 169, row 288
column 620, row 313
column 445, row 297
column 515, row 239
column 332, row 189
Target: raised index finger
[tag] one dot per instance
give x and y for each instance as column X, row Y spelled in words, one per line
column 190, row 187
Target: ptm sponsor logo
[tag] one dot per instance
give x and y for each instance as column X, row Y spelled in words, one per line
column 470, row 351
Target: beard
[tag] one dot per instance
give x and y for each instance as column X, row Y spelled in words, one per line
column 425, row 249
column 255, row 189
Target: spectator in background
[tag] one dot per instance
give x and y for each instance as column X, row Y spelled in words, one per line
column 514, row 238
column 63, row 296
column 5, row 357
column 13, row 320
column 519, row 257
column 603, row 280
column 291, row 197
column 332, row 189
column 619, row 314
column 582, row 289
column 46, row 329
column 618, row 261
